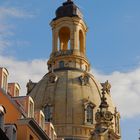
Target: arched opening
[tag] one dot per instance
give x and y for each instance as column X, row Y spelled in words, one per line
column 48, row 111
column 89, row 113
column 64, row 38
column 81, row 41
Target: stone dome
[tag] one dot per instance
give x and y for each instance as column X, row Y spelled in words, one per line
column 68, row 9
column 67, row 93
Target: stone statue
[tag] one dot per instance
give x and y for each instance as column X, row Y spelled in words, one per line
column 30, row 85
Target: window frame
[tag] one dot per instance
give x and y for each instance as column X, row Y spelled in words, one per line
column 90, row 105
column 48, row 112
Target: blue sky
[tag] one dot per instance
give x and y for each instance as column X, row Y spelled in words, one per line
column 113, row 46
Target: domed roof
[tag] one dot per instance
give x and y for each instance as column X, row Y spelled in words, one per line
column 66, row 87
column 68, row 92
column 68, row 9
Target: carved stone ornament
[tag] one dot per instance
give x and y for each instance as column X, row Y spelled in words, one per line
column 106, row 86
column 30, row 85
column 62, row 53
column 98, row 117
column 84, row 79
column 108, row 116
column 52, row 78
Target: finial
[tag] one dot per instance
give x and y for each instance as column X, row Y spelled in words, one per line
column 69, row 1
column 104, row 104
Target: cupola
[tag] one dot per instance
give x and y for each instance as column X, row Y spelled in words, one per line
column 68, row 9
column 69, row 39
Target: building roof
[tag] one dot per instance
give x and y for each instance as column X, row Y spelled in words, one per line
column 32, row 123
column 15, row 103
column 68, row 9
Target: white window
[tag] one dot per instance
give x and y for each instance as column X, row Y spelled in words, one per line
column 42, row 121
column 16, row 92
column 4, row 82
column 31, row 109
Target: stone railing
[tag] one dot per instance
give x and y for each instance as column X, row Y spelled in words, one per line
column 62, row 53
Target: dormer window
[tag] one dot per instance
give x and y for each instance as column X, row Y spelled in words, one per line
column 3, row 78
column 48, row 111
column 4, row 84
column 13, row 89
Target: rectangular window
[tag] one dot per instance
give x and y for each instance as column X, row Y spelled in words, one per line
column 4, row 85
column 42, row 122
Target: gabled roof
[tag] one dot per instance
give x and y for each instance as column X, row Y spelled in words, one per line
column 15, row 104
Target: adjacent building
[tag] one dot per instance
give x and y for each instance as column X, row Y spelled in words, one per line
column 18, row 118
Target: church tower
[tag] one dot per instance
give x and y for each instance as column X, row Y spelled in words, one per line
column 69, row 39
column 70, row 96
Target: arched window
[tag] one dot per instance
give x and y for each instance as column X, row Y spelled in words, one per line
column 61, row 64
column 48, row 111
column 81, row 41
column 89, row 113
column 64, row 38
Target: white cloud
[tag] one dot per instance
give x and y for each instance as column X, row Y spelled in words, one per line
column 125, row 90
column 4, row 44
column 22, row 71
column 125, row 86
column 6, row 12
